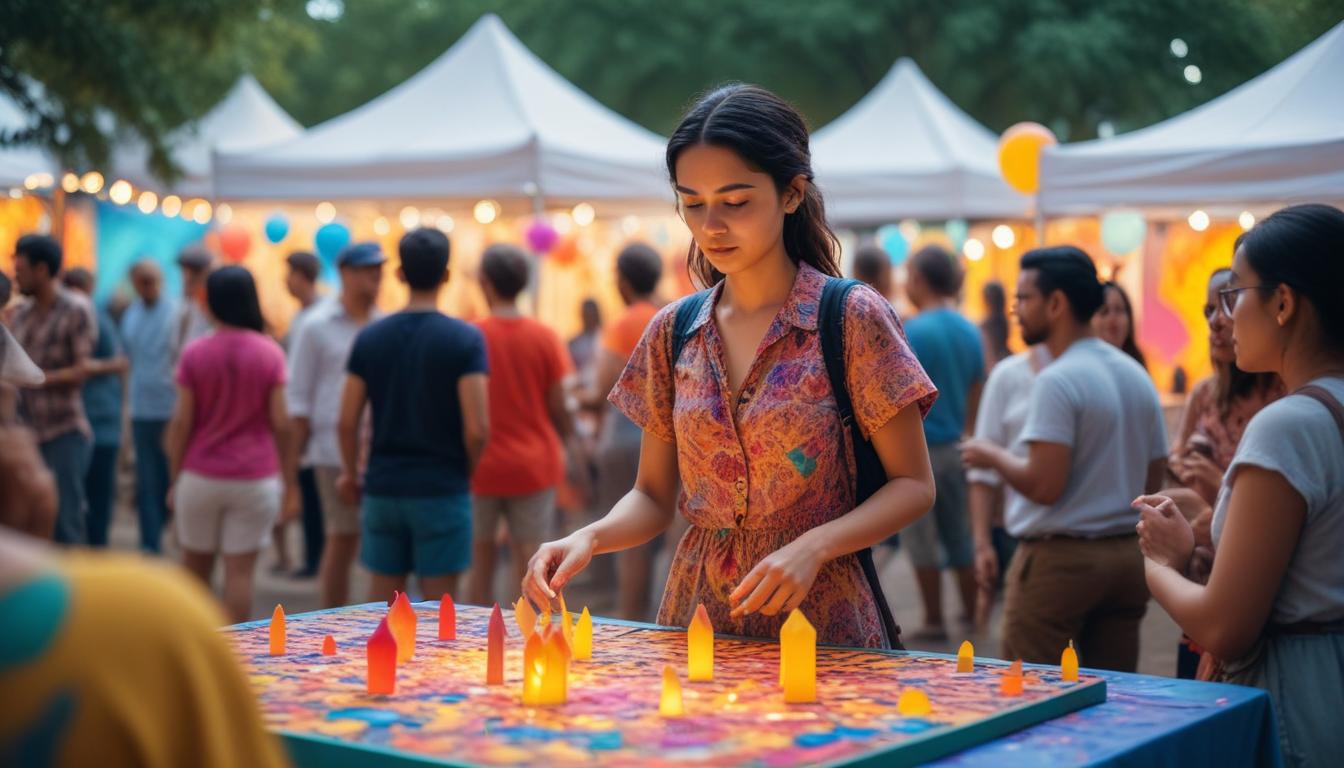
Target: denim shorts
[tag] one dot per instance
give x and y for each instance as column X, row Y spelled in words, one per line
column 427, row 536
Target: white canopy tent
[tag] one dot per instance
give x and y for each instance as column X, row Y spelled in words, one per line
column 1276, row 139
column 906, row 151
column 487, row 119
column 247, row 118
column 19, row 162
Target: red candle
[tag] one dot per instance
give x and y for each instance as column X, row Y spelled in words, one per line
column 382, row 652
column 447, row 618
column 328, row 646
column 494, row 664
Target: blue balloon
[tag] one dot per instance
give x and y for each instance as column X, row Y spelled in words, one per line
column 277, row 227
column 894, row 243
column 330, row 239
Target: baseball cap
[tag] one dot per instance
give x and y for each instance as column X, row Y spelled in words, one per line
column 361, row 255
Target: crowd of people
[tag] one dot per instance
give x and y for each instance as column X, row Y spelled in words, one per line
column 714, row 426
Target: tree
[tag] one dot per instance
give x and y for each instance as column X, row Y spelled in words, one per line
column 1071, row 65
column 89, row 74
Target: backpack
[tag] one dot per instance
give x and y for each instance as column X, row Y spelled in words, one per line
column 870, row 476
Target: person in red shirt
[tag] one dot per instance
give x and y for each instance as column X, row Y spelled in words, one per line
column 523, row 465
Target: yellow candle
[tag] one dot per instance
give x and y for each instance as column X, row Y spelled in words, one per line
column 566, row 622
column 555, row 678
column 278, row 631
column 670, row 705
column 798, row 659
column 913, row 703
column 966, row 657
column 534, row 668
column 700, row 647
column 526, row 616
column 1068, row 665
column 583, row 636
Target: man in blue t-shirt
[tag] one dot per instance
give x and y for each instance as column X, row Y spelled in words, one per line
column 423, row 374
column 948, row 346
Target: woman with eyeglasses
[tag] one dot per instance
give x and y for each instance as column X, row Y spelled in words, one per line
column 1216, row 415
column 1272, row 611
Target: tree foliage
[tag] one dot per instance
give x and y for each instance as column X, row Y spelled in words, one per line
column 147, row 65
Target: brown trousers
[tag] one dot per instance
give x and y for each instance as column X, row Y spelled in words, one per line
column 1090, row 591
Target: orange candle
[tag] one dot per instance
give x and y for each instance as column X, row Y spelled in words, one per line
column 534, row 669
column 1012, row 680
column 670, row 704
column 494, row 662
column 1068, row 665
column 401, row 620
column 328, row 646
column 555, row 679
column 700, row 646
column 526, row 616
column 447, row 618
column 278, row 631
column 382, row 656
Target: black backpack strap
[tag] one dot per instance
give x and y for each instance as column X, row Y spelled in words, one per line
column 869, row 474
column 687, row 311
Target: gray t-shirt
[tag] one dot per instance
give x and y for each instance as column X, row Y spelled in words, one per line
column 1296, row 437
column 1101, row 403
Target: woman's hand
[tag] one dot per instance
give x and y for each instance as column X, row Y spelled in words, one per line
column 780, row 581
column 1165, row 536
column 986, row 566
column 555, row 563
column 290, row 506
column 1198, row 473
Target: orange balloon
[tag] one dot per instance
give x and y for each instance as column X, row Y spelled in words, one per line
column 1020, row 155
column 234, row 243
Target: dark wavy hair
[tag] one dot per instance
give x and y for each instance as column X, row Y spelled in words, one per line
column 231, row 294
column 995, row 325
column 769, row 134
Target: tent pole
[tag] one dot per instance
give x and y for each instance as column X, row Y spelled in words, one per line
column 534, row 287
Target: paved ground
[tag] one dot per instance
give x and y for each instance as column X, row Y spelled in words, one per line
column 1158, row 639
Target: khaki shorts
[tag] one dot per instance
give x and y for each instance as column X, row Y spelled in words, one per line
column 337, row 516
column 231, row 517
column 529, row 518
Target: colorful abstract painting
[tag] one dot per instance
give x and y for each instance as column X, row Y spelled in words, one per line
column 442, row 713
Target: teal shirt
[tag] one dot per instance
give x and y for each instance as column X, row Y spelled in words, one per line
column 948, row 346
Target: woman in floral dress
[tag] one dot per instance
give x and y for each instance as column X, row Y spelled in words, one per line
column 741, row 432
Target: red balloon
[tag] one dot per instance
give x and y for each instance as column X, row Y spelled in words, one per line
column 234, row 243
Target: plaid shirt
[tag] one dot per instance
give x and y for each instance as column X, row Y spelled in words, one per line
column 60, row 337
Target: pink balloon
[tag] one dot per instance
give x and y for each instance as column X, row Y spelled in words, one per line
column 541, row 236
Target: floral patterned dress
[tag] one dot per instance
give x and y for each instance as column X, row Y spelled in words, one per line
column 754, row 480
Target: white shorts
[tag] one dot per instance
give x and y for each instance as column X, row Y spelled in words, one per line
column 231, row 517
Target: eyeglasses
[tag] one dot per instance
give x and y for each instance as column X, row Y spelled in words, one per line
column 1228, row 297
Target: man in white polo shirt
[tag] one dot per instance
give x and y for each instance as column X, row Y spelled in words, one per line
column 317, row 360
column 1096, row 439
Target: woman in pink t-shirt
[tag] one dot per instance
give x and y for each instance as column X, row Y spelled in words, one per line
column 226, row 442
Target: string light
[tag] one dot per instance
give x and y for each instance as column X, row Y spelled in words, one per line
column 200, row 212
column 70, row 183
column 224, row 213
column 92, row 182
column 410, row 217
column 148, row 202
column 325, row 212
column 486, row 211
column 172, row 205
column 120, row 192
column 1193, row 75
column 973, row 249
column 444, row 223
column 1246, row 220
column 1199, row 221
column 583, row 214
column 1003, row 236
column 381, row 226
